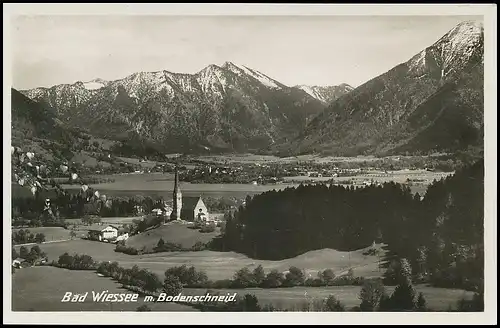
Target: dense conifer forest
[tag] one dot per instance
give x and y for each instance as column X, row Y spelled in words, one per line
column 441, row 234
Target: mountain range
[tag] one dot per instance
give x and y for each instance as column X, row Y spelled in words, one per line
column 432, row 102
column 227, row 108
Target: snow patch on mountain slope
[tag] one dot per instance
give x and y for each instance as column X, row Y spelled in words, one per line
column 312, row 92
column 93, row 85
column 212, row 79
column 262, row 78
column 325, row 94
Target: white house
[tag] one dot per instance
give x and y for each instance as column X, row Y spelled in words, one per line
column 109, row 232
column 19, row 263
column 122, row 237
column 157, row 211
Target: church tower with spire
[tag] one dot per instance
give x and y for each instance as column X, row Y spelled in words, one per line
column 177, row 198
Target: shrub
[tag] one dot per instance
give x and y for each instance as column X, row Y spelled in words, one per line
column 172, row 285
column 121, row 248
column 199, row 246
column 372, row 292
column 331, row 304
column 222, row 284
column 421, row 303
column 474, row 305
column 207, row 228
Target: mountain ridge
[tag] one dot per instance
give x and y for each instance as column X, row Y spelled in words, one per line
column 375, row 117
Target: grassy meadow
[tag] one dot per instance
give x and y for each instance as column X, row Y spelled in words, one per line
column 42, row 288
column 219, row 265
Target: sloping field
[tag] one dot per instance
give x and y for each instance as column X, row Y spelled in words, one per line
column 42, row 288
column 174, row 232
column 220, row 265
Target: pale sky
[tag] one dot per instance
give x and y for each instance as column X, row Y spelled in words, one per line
column 313, row 50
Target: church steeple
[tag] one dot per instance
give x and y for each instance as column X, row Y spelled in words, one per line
column 177, row 197
column 176, row 180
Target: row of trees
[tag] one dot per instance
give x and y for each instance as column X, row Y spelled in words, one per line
column 141, row 279
column 441, row 235
column 246, row 278
column 76, row 262
column 24, row 236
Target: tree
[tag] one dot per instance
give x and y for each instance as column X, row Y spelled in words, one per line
column 294, row 277
column 421, row 261
column 273, row 279
column 385, row 303
column 331, row 304
column 191, row 276
column 371, row 294
column 327, row 277
column 258, row 275
column 143, row 308
column 172, row 285
column 405, row 270
column 250, row 303
column 403, row 298
column 201, row 278
column 398, row 271
column 84, row 262
column 243, row 278
column 39, row 238
column 152, row 282
column 23, row 252
column 32, row 257
column 37, row 250
column 66, row 260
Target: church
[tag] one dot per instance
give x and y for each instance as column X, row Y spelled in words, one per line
column 187, row 208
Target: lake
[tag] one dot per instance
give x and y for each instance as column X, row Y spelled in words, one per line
column 162, row 184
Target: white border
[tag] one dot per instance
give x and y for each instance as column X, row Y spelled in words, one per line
column 490, row 28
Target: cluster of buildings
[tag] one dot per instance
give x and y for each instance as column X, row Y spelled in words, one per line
column 186, row 208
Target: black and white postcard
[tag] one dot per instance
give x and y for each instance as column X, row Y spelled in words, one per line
column 200, row 162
